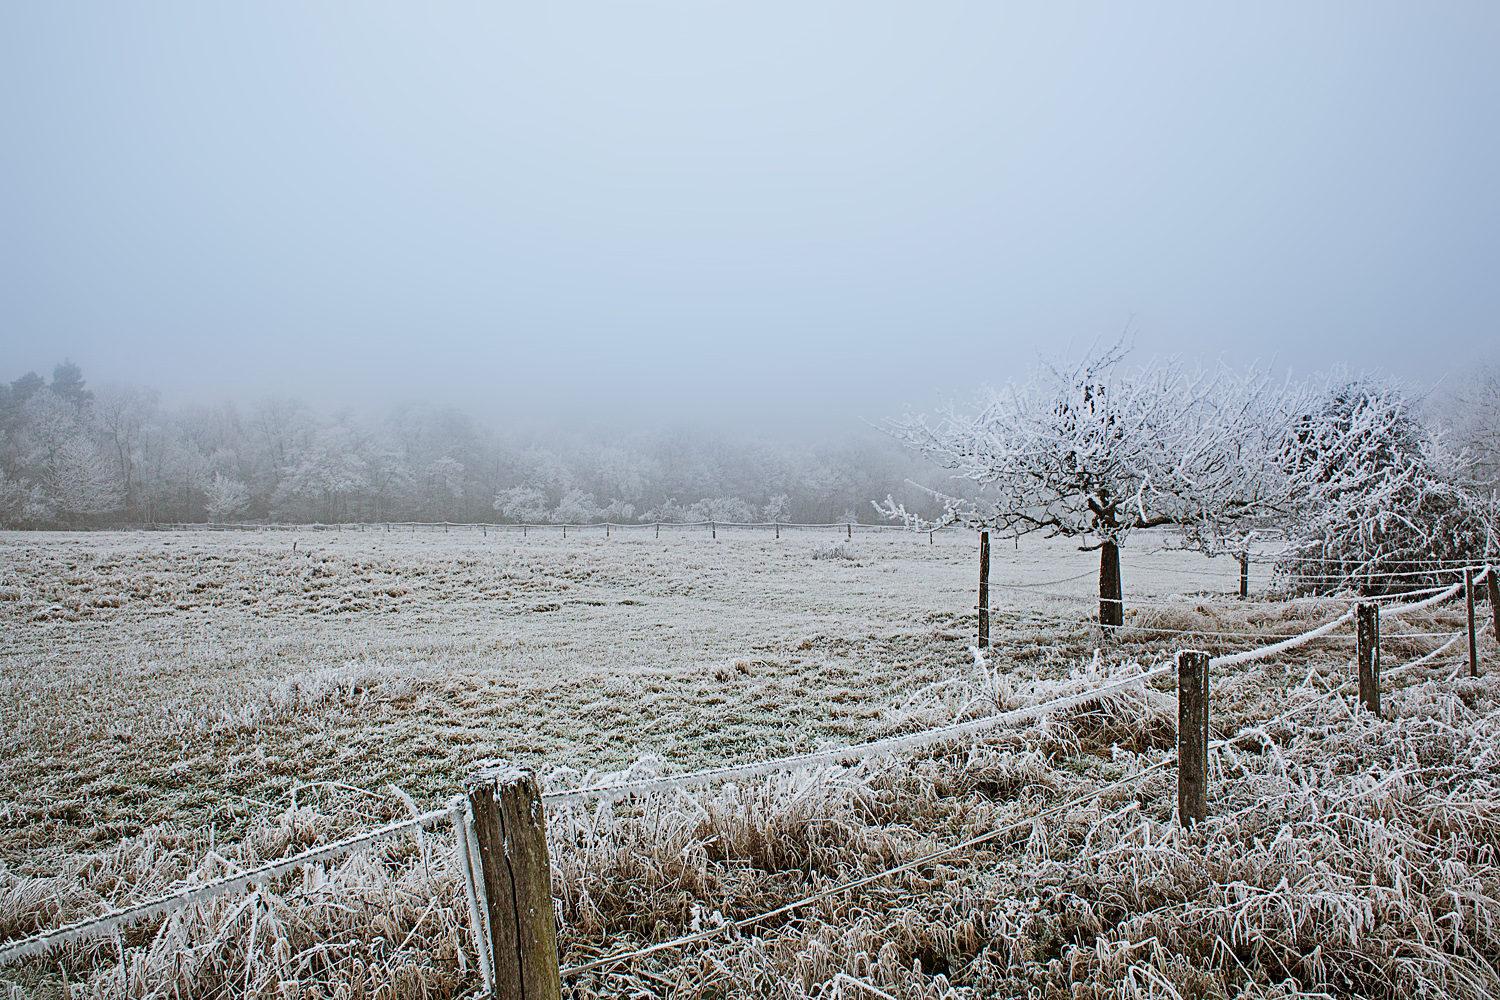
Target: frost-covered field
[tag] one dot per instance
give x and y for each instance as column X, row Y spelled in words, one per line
column 154, row 676
column 173, row 705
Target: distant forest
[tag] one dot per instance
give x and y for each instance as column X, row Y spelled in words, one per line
column 71, row 456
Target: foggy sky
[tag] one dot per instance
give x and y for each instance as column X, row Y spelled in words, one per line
column 771, row 214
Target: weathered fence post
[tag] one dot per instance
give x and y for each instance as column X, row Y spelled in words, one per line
column 606, row 529
column 778, row 529
column 984, row 589
column 658, row 529
column 850, row 526
column 565, row 531
column 1367, row 638
column 1469, row 598
column 1192, row 736
column 1490, row 578
column 1244, row 575
column 1111, row 592
column 929, row 538
column 714, row 527
column 509, row 824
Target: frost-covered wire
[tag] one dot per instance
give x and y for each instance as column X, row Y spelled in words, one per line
column 1430, row 656
column 892, row 744
column 741, row 924
column 1251, row 655
column 86, row 930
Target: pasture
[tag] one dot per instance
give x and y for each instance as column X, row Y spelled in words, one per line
column 175, row 701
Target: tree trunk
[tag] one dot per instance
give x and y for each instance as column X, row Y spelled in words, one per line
column 1111, row 600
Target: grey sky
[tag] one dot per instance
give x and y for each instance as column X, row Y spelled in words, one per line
column 755, row 212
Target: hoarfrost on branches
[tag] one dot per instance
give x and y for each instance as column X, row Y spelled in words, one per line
column 1378, row 498
column 1091, row 449
column 226, row 497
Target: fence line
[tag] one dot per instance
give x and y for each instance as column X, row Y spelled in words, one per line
column 109, row 923
column 858, row 751
column 992, row 834
column 85, row 930
column 739, row 925
column 478, row 525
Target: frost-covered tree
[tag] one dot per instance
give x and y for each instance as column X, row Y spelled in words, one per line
column 22, row 502
column 82, row 481
column 123, row 413
column 668, row 511
column 576, row 507
column 1378, row 499
column 1473, row 409
column 731, row 509
column 1095, row 451
column 524, row 504
column 329, row 475
column 225, row 498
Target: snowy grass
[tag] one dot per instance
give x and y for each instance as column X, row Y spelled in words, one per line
column 145, row 740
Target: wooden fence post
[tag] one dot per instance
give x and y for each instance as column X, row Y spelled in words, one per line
column 606, row 529
column 984, row 589
column 778, row 529
column 1367, row 637
column 658, row 529
column 512, row 832
column 714, row 527
column 1192, row 736
column 929, row 538
column 1244, row 575
column 1490, row 577
column 1469, row 598
column 850, row 526
column 565, row 531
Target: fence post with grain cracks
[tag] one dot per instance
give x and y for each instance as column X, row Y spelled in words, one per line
column 511, row 830
column 1367, row 639
column 1192, row 736
column 984, row 589
column 1473, row 644
column 1493, row 579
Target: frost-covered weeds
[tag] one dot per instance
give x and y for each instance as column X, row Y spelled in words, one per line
column 836, row 550
column 1343, row 855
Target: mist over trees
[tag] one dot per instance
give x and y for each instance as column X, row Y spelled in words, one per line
column 75, row 455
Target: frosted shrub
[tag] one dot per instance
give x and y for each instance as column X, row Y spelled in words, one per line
column 1377, row 498
column 836, row 550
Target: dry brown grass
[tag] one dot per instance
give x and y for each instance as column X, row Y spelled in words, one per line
column 1344, row 855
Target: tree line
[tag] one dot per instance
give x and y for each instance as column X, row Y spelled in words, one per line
column 75, row 456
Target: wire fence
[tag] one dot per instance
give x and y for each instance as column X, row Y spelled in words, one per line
column 485, row 526
column 458, row 815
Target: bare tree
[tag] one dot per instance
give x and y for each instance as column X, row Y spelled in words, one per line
column 1473, row 408
column 1089, row 450
column 123, row 412
column 225, row 498
column 82, row 480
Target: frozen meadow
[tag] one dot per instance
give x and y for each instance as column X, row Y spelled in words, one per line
column 177, row 702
